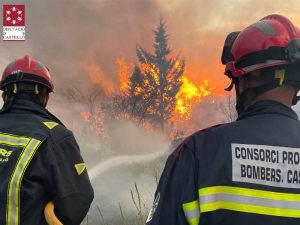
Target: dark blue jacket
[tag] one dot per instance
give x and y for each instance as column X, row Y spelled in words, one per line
column 40, row 161
column 241, row 173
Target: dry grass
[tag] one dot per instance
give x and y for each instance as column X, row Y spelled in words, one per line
column 140, row 211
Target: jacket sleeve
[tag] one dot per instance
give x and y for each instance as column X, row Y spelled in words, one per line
column 72, row 191
column 176, row 198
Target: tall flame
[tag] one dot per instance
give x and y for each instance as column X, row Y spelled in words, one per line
column 189, row 94
column 124, row 74
column 95, row 72
column 187, row 97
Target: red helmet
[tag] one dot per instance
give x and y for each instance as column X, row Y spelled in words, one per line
column 272, row 41
column 27, row 70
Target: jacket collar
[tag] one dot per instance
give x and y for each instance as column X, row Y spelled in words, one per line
column 268, row 107
column 29, row 107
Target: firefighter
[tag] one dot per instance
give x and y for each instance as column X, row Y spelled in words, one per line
column 247, row 171
column 40, row 160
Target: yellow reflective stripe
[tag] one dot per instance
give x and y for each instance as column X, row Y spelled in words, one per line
column 192, row 212
column 50, row 124
column 13, row 140
column 249, row 201
column 249, row 192
column 11, row 144
column 13, row 193
column 15, row 88
column 190, row 205
column 250, row 209
column 80, row 167
column 193, row 221
column 36, row 89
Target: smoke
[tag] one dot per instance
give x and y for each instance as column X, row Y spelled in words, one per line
column 62, row 34
column 114, row 187
column 199, row 27
column 80, row 41
column 65, row 33
column 139, row 160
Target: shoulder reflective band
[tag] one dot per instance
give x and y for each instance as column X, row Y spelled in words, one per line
column 191, row 212
column 50, row 124
column 11, row 140
column 30, row 146
column 249, row 201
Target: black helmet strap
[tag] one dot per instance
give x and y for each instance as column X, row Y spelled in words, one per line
column 7, row 103
column 273, row 78
column 245, row 98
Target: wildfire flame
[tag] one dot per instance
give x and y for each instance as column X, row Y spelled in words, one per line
column 124, row 74
column 150, row 68
column 95, row 72
column 85, row 116
column 96, row 121
column 190, row 94
column 187, row 97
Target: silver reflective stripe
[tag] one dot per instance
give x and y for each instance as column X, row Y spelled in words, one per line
column 250, row 200
column 13, row 198
column 192, row 213
column 256, row 66
column 12, row 140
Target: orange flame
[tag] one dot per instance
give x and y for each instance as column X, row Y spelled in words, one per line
column 96, row 121
column 188, row 95
column 124, row 74
column 85, row 116
column 95, row 72
column 150, row 68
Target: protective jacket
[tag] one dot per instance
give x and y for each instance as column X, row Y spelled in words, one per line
column 40, row 161
column 245, row 172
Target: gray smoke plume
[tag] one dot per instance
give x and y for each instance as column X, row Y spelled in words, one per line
column 73, row 37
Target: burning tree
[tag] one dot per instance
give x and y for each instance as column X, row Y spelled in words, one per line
column 155, row 91
column 139, row 101
column 126, row 102
column 156, row 80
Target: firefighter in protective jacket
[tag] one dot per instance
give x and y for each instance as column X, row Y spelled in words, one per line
column 39, row 158
column 247, row 171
